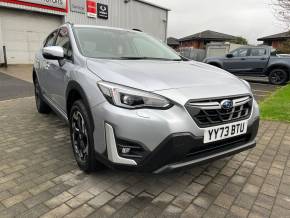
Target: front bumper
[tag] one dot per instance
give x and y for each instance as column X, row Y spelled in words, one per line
column 183, row 150
column 171, row 138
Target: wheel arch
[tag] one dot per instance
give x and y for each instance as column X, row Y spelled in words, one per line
column 75, row 92
column 277, row 66
column 34, row 75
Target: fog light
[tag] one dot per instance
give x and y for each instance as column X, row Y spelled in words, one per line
column 130, row 150
column 126, row 150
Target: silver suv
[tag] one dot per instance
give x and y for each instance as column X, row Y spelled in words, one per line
column 133, row 103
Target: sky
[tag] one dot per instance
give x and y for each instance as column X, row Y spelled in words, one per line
column 251, row 19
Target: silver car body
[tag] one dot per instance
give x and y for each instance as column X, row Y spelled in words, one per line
column 178, row 81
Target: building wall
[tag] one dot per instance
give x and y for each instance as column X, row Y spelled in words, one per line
column 23, row 32
column 193, row 44
column 23, row 7
column 133, row 14
column 276, row 44
column 23, row 27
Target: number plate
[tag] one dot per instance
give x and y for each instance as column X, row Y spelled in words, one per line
column 221, row 132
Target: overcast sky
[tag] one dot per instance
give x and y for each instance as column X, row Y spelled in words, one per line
column 248, row 18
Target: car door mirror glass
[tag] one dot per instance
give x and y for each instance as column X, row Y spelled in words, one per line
column 53, row 53
column 229, row 55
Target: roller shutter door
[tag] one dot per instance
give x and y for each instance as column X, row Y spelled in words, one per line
column 22, row 32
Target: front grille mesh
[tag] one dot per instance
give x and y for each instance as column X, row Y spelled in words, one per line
column 208, row 113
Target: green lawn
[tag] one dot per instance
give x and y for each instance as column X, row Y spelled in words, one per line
column 277, row 106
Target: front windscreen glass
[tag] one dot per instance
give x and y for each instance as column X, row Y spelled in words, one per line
column 121, row 44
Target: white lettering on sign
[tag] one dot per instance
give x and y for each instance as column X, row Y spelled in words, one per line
column 52, row 3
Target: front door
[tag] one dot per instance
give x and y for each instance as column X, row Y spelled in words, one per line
column 238, row 63
column 58, row 70
column 44, row 64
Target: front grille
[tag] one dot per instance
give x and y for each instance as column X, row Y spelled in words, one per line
column 208, row 113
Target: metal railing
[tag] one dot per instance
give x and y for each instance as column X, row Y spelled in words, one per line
column 4, row 53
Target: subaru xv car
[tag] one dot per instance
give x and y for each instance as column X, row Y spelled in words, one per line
column 133, row 103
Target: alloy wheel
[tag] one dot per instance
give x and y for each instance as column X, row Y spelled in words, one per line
column 277, row 77
column 80, row 136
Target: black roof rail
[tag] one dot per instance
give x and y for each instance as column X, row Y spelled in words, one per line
column 137, row 30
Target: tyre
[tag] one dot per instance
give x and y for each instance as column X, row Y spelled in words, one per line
column 41, row 106
column 278, row 77
column 81, row 130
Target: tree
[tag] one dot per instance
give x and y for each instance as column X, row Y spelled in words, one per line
column 282, row 10
column 240, row 40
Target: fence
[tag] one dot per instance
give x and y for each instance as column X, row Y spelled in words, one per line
column 213, row 49
column 193, row 54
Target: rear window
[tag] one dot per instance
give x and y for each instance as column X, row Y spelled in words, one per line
column 258, row 52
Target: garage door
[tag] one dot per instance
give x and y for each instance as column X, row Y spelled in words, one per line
column 23, row 32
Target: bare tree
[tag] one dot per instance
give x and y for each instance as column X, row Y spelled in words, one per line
column 282, row 10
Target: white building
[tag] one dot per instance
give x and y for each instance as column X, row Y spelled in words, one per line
column 24, row 24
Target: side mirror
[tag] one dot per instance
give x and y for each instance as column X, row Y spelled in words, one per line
column 229, row 55
column 53, row 53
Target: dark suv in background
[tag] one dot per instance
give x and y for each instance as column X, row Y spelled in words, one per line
column 255, row 61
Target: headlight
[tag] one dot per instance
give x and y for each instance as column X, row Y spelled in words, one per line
column 130, row 98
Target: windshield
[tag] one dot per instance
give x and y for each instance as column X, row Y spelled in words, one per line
column 121, row 44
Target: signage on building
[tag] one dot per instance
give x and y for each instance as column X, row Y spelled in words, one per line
column 78, row 6
column 103, row 11
column 91, row 8
column 55, row 5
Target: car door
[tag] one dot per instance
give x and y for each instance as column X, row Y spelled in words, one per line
column 258, row 60
column 43, row 63
column 237, row 63
column 58, row 70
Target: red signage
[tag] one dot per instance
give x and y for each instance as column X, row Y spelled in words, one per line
column 91, row 8
column 53, row 5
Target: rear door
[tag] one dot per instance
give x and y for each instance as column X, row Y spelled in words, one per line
column 237, row 63
column 258, row 60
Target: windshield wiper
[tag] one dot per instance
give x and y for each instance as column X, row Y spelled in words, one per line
column 148, row 58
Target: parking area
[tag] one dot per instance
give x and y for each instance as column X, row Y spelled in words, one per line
column 11, row 87
column 39, row 176
column 262, row 90
column 260, row 87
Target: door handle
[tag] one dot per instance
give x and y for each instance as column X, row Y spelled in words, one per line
column 263, row 59
column 243, row 59
column 47, row 65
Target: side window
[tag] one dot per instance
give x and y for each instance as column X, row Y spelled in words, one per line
column 50, row 39
column 258, row 52
column 64, row 42
column 240, row 52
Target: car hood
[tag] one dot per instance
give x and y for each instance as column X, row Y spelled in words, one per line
column 151, row 75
